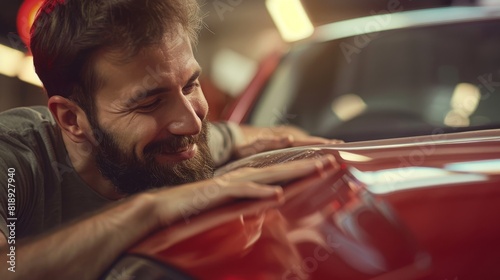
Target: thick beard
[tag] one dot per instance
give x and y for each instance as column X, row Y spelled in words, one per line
column 131, row 175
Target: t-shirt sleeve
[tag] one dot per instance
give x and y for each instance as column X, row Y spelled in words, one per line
column 15, row 177
column 223, row 137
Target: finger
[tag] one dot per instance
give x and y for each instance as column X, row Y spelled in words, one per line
column 314, row 141
column 311, row 181
column 281, row 172
column 264, row 144
column 252, row 190
column 197, row 198
column 249, row 190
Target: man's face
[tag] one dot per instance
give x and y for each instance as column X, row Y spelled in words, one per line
column 151, row 129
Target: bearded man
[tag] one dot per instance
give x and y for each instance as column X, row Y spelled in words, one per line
column 125, row 123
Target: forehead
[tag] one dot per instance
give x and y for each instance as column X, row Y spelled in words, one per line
column 165, row 63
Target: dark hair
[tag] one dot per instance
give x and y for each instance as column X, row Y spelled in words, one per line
column 67, row 34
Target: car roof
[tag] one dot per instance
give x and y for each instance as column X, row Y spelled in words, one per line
column 405, row 19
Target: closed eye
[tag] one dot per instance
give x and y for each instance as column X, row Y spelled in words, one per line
column 190, row 87
column 149, row 107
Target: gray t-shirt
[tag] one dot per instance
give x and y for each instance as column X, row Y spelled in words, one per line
column 44, row 190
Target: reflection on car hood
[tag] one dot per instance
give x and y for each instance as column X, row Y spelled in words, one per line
column 386, row 215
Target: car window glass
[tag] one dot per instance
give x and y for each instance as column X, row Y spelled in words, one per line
column 389, row 84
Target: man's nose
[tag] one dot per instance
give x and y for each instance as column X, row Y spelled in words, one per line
column 184, row 118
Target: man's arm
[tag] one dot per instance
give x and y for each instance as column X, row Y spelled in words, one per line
column 83, row 250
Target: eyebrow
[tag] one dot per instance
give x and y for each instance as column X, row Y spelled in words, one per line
column 195, row 76
column 152, row 92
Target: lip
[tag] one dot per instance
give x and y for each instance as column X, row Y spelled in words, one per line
column 180, row 155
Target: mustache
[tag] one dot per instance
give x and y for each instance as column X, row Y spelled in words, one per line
column 171, row 145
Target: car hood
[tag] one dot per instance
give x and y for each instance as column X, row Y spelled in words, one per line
column 374, row 220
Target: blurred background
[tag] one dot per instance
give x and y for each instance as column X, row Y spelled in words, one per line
column 239, row 34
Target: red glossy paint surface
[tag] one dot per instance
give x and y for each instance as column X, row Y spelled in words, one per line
column 396, row 209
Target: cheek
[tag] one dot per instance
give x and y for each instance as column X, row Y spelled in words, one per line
column 140, row 133
column 200, row 104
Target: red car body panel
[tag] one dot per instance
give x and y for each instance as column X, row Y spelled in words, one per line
column 409, row 208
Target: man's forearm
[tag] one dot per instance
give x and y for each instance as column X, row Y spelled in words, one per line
column 83, row 250
column 86, row 248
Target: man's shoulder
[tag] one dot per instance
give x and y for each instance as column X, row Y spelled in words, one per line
column 28, row 132
column 22, row 118
column 30, row 145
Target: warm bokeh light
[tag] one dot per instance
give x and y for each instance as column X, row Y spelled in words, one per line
column 463, row 104
column 26, row 17
column 348, row 106
column 16, row 64
column 290, row 18
column 10, row 59
column 27, row 72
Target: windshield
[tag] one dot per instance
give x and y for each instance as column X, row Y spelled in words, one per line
column 407, row 82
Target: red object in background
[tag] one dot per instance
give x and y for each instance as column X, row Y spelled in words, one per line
column 25, row 18
column 217, row 99
column 238, row 110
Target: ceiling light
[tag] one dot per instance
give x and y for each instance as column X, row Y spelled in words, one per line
column 27, row 72
column 290, row 18
column 10, row 58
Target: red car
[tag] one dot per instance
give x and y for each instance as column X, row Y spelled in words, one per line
column 400, row 207
column 410, row 208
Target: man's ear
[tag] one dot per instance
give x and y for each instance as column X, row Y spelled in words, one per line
column 71, row 119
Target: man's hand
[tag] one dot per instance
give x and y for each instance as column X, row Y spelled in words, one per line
column 261, row 139
column 186, row 200
column 96, row 241
column 243, row 219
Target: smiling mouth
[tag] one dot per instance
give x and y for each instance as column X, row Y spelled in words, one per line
column 180, row 154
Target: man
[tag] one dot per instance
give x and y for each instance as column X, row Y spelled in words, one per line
column 125, row 122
